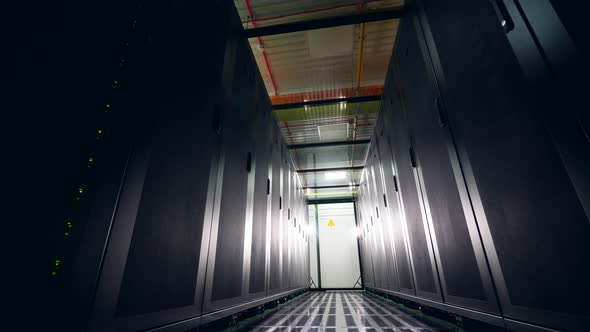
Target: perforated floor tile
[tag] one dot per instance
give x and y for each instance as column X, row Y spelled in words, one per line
column 342, row 311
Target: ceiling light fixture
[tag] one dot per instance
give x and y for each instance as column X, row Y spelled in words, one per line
column 335, row 175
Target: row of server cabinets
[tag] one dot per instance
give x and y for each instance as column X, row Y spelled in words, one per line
column 473, row 201
column 210, row 215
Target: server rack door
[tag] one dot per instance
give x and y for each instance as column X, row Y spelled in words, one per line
column 396, row 222
column 276, row 214
column 533, row 202
column 371, row 250
column 390, row 275
column 362, row 242
column 392, row 211
column 225, row 273
column 162, row 210
column 368, row 215
column 379, row 263
column 296, row 237
column 383, row 268
column 296, row 207
column 291, row 221
column 305, row 228
column 297, row 256
column 154, row 266
column 261, row 164
column 303, row 243
column 286, row 221
column 296, row 264
column 366, row 239
column 418, row 237
column 462, row 265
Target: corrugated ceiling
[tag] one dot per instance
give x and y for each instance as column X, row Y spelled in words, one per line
column 301, row 66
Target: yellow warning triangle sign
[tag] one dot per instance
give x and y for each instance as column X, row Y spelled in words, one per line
column 331, row 223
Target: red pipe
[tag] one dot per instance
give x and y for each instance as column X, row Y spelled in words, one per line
column 260, row 44
column 310, row 11
column 289, row 132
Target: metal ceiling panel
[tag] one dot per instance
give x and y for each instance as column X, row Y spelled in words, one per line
column 300, row 64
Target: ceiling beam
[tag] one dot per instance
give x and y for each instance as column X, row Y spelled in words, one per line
column 330, row 187
column 324, row 23
column 360, row 99
column 331, row 169
column 299, row 97
column 331, row 200
column 322, row 144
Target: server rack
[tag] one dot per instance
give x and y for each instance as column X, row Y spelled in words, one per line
column 488, row 171
column 193, row 234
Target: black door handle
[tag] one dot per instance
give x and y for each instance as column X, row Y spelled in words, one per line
column 249, row 162
column 441, row 118
column 412, row 158
column 505, row 19
column 216, row 123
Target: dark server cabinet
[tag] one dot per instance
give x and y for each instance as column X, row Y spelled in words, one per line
column 295, row 229
column 364, row 250
column 525, row 188
column 378, row 254
column 154, row 261
column 287, row 220
column 395, row 222
column 461, row 262
column 307, row 278
column 382, row 218
column 225, row 271
column 276, row 213
column 261, row 166
column 286, row 224
column 153, row 269
column 421, row 252
column 370, row 251
column 198, row 220
column 304, row 229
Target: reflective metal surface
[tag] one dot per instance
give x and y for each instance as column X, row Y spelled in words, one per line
column 342, row 311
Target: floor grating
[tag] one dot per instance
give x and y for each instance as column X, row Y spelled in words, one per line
column 336, row 311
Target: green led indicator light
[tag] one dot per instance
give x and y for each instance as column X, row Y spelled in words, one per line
column 80, row 190
column 108, row 105
column 100, row 131
column 69, row 224
column 53, row 273
column 90, row 159
column 66, row 234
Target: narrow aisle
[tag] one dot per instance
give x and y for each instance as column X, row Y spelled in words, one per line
column 342, row 311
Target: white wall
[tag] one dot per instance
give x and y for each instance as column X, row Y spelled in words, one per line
column 339, row 260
